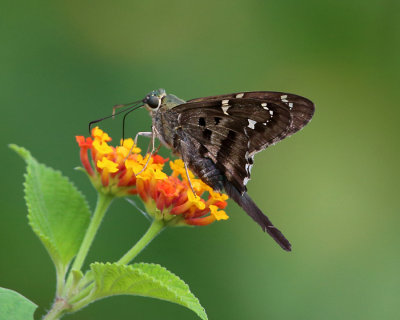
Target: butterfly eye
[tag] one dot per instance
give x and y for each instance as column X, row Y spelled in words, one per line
column 153, row 101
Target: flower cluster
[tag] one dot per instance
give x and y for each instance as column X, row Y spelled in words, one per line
column 122, row 171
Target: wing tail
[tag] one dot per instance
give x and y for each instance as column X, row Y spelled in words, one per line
column 256, row 214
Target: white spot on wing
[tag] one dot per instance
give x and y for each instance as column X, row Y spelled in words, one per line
column 271, row 112
column 245, row 180
column 225, row 109
column 251, row 123
column 225, row 102
column 284, row 98
column 248, row 167
column 290, row 105
column 240, row 95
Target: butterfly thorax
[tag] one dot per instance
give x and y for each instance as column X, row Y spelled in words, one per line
column 164, row 124
column 165, row 121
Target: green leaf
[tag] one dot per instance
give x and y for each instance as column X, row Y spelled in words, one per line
column 142, row 279
column 15, row 306
column 58, row 212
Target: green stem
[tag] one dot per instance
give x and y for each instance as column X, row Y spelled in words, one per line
column 155, row 228
column 82, row 303
column 57, row 310
column 60, row 271
column 103, row 202
column 83, row 298
column 82, row 294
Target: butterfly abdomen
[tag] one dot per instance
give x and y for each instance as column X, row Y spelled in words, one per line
column 206, row 170
column 202, row 167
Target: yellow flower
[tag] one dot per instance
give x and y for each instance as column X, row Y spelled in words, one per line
column 133, row 165
column 218, row 215
column 197, row 201
column 99, row 134
column 107, row 166
column 178, row 168
column 129, row 145
column 102, row 147
column 199, row 186
column 104, row 163
column 159, row 175
column 217, row 196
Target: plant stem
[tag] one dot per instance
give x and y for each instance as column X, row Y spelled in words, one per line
column 83, row 298
column 155, row 228
column 103, row 202
column 60, row 271
column 56, row 310
column 82, row 294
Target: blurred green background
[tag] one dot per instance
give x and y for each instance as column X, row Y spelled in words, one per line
column 332, row 188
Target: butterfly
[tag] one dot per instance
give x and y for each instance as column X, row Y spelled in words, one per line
column 217, row 137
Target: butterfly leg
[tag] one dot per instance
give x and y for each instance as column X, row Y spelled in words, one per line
column 152, row 143
column 186, row 160
column 143, row 134
column 187, row 176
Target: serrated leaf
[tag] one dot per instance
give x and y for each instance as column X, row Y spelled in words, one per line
column 57, row 212
column 15, row 306
column 142, row 279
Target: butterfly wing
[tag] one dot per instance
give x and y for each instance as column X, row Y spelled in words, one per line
column 301, row 109
column 232, row 128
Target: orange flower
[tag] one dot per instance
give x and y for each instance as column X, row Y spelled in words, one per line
column 112, row 170
column 119, row 171
column 85, row 145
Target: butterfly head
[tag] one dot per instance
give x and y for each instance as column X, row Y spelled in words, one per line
column 153, row 100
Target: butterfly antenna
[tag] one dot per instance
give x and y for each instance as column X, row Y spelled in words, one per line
column 123, row 121
column 130, row 106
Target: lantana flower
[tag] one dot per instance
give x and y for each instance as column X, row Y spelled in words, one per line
column 122, row 171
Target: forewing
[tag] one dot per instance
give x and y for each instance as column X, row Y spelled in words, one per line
column 301, row 109
column 231, row 131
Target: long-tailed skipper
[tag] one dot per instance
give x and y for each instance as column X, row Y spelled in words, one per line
column 217, row 137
